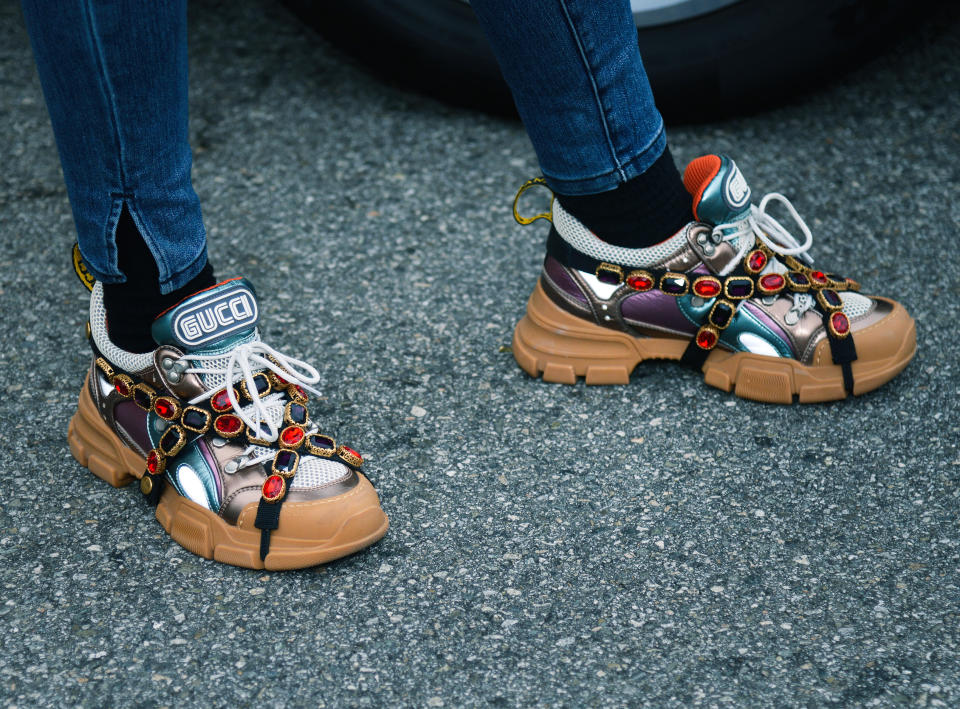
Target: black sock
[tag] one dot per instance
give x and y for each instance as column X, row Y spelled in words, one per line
column 132, row 306
column 641, row 212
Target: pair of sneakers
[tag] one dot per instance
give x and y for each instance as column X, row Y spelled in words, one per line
column 216, row 426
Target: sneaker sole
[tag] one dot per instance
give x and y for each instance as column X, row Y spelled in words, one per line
column 561, row 347
column 359, row 520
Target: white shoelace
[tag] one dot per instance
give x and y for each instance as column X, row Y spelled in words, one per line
column 242, row 363
column 774, row 235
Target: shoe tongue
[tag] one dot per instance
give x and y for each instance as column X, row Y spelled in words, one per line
column 720, row 193
column 211, row 319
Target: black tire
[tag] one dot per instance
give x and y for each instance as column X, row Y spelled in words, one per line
column 747, row 56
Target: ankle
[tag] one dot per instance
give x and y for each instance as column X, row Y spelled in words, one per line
column 132, row 305
column 641, row 212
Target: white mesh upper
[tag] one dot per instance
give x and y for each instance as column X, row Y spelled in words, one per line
column 219, row 379
column 313, row 471
column 316, row 472
column 854, row 304
column 585, row 241
column 128, row 361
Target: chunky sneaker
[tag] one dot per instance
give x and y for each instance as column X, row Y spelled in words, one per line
column 732, row 294
column 214, row 423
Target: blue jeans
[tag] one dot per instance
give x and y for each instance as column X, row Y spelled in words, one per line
column 576, row 76
column 114, row 76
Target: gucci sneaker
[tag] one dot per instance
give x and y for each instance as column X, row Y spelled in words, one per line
column 215, row 425
column 733, row 294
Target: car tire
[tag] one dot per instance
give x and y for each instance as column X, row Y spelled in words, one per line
column 746, row 56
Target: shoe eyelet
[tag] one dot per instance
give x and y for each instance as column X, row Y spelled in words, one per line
column 218, row 442
column 231, row 466
column 167, row 362
column 792, row 317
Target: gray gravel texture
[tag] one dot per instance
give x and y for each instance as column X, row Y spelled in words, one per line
column 659, row 544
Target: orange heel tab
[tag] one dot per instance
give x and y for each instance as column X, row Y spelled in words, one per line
column 698, row 175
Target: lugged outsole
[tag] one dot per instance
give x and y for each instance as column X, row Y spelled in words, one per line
column 561, row 347
column 201, row 531
column 206, row 534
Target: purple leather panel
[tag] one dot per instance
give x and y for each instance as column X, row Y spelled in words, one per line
column 133, row 420
column 562, row 279
column 657, row 309
column 212, row 463
column 768, row 321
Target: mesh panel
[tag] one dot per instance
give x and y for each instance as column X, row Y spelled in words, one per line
column 585, row 241
column 854, row 304
column 274, row 408
column 128, row 361
column 218, row 379
column 313, row 471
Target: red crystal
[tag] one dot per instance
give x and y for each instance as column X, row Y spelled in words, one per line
column 298, row 391
column 818, row 277
column 349, row 450
column 292, row 436
column 280, row 380
column 706, row 339
column 228, row 424
column 153, row 462
column 273, row 488
column 841, row 325
column 772, row 282
column 757, row 260
column 164, row 407
column 221, row 401
column 640, row 282
column 121, row 387
column 707, row 288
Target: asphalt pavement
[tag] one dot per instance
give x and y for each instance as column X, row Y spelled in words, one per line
column 659, row 544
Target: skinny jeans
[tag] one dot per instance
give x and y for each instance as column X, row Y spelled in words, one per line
column 114, row 77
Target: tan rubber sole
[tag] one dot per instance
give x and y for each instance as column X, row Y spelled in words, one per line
column 203, row 532
column 347, row 523
column 99, row 449
column 562, row 347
